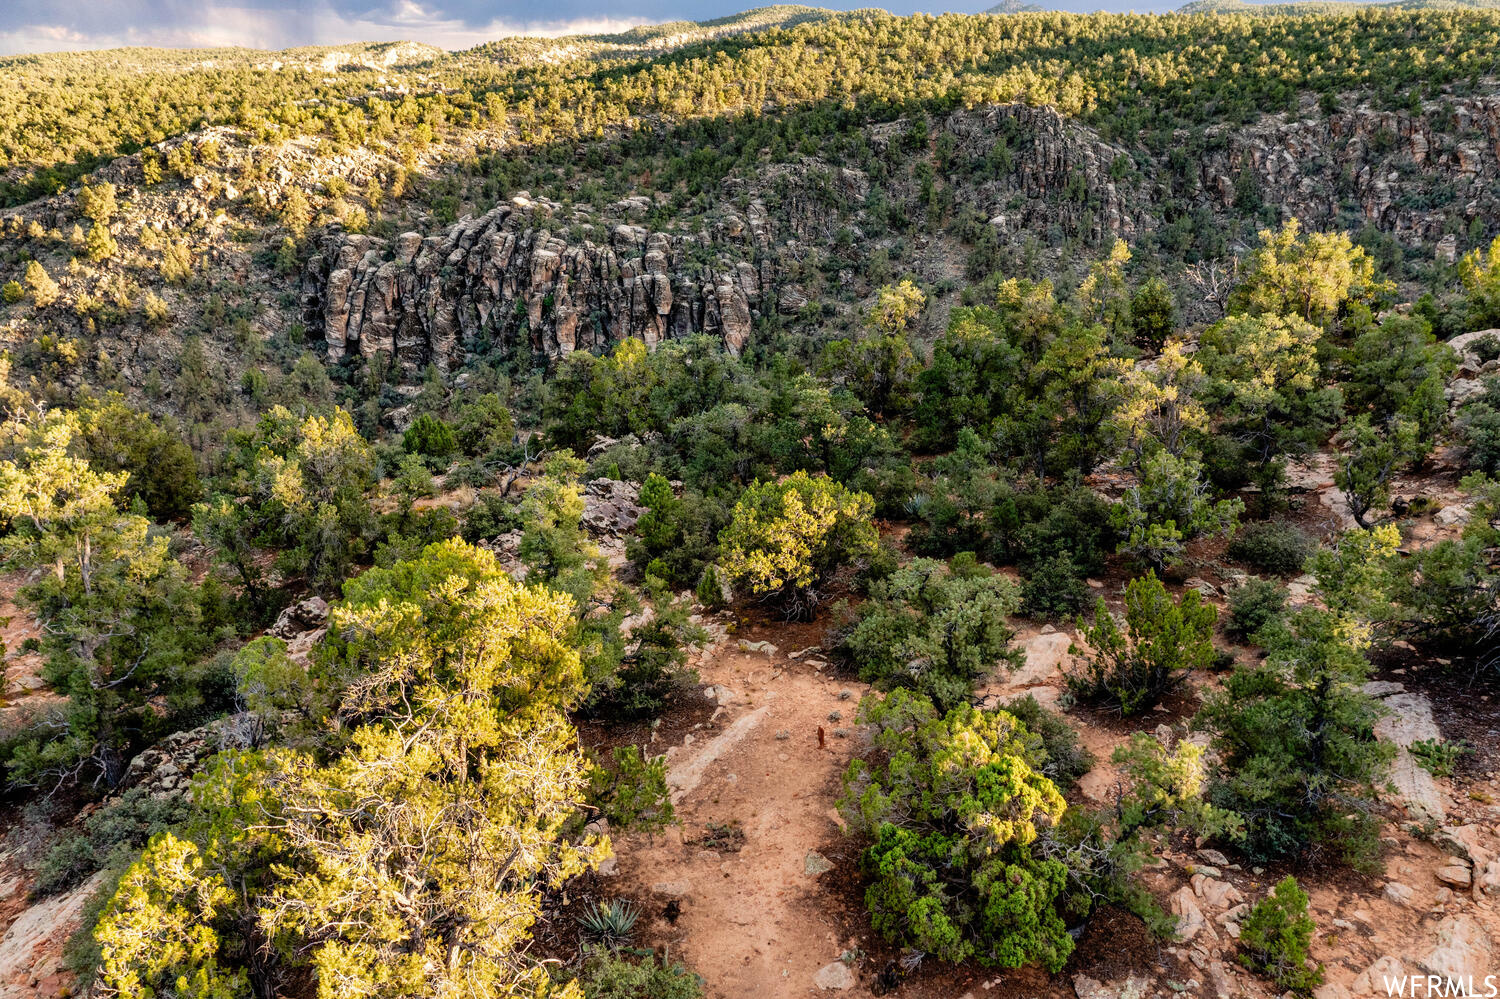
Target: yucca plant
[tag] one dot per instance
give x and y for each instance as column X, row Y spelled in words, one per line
column 610, row 923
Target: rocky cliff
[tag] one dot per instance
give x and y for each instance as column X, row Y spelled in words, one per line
column 533, row 275
column 1412, row 174
column 519, row 276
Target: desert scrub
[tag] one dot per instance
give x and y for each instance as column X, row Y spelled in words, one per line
column 610, row 976
column 933, row 629
column 1067, row 758
column 1272, row 546
column 1274, row 939
column 111, row 837
column 1134, row 667
column 788, row 538
column 634, row 794
column 1253, row 605
column 953, row 806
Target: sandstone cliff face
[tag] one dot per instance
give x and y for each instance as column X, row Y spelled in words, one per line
column 514, row 276
column 1406, row 174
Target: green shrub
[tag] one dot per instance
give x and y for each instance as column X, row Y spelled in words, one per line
column 932, row 630
column 1067, row 758
column 788, row 538
column 1486, row 348
column 430, row 437
column 1446, row 593
column 1035, row 524
column 1272, row 546
column 12, row 292
column 611, row 976
column 1136, row 667
column 634, row 795
column 1275, row 936
column 1296, row 747
column 111, row 837
column 953, row 805
column 652, row 663
column 1479, row 427
column 1437, row 756
column 1254, row 605
column 1053, row 587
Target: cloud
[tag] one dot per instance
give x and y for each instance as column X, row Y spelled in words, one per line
column 33, row 26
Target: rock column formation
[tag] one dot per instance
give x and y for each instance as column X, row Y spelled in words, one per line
column 510, row 277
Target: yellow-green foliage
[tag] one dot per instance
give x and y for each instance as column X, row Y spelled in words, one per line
column 954, row 805
column 788, row 537
column 156, row 934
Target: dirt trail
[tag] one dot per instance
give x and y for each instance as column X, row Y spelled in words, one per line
column 754, row 922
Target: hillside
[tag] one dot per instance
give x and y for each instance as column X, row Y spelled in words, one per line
column 796, row 502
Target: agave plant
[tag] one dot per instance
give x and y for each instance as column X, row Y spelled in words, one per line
column 610, row 923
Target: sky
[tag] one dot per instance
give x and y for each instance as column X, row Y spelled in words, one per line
column 54, row 25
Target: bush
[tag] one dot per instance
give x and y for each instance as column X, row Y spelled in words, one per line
column 1034, row 524
column 1170, row 506
column 1254, row 605
column 1486, row 348
column 1438, row 757
column 634, row 795
column 1272, row 546
column 953, row 805
column 1067, row 758
column 111, row 837
column 610, row 976
column 1296, row 747
column 1446, row 594
column 430, row 437
column 787, row 539
column 1275, row 936
column 1053, row 587
column 652, row 665
column 932, row 630
column 1135, row 668
column 1479, row 426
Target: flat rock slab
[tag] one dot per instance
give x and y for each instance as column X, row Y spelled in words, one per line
column 1462, row 951
column 1410, row 720
column 685, row 779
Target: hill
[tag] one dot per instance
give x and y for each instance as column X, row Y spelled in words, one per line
column 799, row 502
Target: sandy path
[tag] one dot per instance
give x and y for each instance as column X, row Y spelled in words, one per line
column 753, row 923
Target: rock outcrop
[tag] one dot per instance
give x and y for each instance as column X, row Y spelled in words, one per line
column 1407, row 172
column 520, row 277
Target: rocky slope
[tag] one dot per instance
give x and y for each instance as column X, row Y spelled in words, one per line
column 540, row 277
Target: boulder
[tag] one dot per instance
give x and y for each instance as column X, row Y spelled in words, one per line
column 835, row 977
column 611, row 508
column 1457, row 875
column 1216, row 894
column 1462, row 950
column 305, row 615
column 1190, row 921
